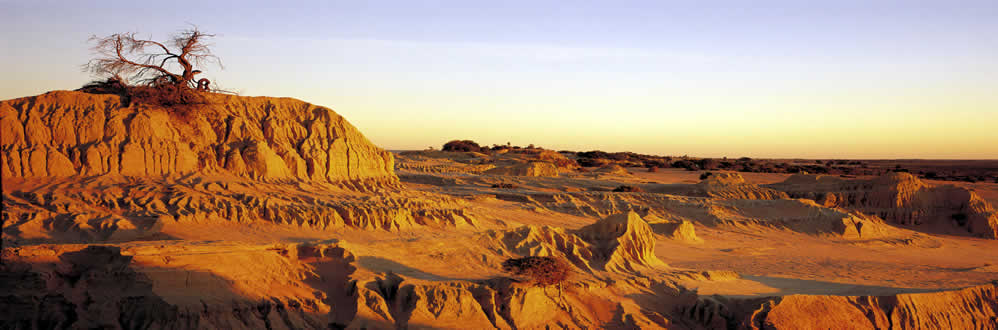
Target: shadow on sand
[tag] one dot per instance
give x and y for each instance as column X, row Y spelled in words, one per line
column 379, row 264
column 789, row 286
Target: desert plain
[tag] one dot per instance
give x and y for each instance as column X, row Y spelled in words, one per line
column 274, row 213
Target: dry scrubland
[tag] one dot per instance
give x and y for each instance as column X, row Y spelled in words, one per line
column 275, row 213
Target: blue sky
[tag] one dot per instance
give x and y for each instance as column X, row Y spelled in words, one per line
column 834, row 79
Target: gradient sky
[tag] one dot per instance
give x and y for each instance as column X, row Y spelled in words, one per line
column 838, row 79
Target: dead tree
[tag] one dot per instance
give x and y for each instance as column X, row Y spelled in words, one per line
column 150, row 62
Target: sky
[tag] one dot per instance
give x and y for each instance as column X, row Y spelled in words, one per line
column 871, row 79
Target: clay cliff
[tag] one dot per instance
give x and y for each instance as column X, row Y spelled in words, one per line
column 903, row 199
column 65, row 133
column 81, row 167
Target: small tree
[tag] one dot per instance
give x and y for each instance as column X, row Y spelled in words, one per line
column 541, row 271
column 149, row 62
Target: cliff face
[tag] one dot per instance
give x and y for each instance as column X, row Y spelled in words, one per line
column 65, row 133
column 903, row 199
column 81, row 167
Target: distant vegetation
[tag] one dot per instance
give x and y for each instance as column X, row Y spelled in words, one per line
column 596, row 158
column 743, row 164
column 463, row 146
column 540, row 154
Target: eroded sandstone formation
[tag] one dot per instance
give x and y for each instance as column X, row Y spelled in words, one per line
column 626, row 240
column 75, row 212
column 731, row 185
column 798, row 215
column 543, row 241
column 65, row 133
column 168, row 287
column 619, row 243
column 903, row 199
column 135, row 186
column 81, row 167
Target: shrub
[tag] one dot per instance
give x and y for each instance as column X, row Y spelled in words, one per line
column 541, row 271
column 587, row 162
column 688, row 165
column 463, row 145
column 627, row 189
column 593, row 154
column 705, row 175
column 960, row 218
column 180, row 101
column 656, row 163
column 504, row 186
column 113, row 85
column 708, row 163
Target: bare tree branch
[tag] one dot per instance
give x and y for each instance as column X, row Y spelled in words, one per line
column 123, row 54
